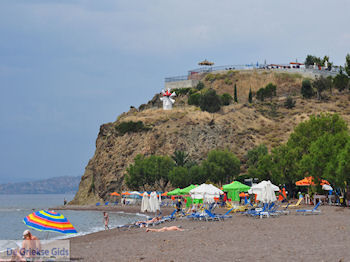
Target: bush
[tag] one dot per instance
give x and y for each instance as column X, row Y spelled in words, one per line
column 290, row 103
column 226, row 99
column 321, row 84
column 194, row 99
column 228, row 81
column 341, row 81
column 200, row 86
column 270, row 90
column 210, row 78
column 306, row 89
column 260, row 95
column 250, row 96
column 130, row 126
column 210, row 101
column 181, row 91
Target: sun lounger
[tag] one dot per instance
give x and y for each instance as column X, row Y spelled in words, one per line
column 211, row 216
column 294, row 205
column 170, row 217
column 97, row 204
column 313, row 211
column 106, row 204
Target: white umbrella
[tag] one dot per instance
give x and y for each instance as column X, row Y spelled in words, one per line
column 135, row 193
column 153, row 202
column 207, row 192
column 145, row 202
column 327, row 187
column 265, row 191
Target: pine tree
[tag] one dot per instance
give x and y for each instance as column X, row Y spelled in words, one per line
column 250, row 97
column 235, row 95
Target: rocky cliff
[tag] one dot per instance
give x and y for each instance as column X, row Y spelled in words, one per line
column 238, row 127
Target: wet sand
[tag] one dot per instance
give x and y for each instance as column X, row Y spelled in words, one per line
column 324, row 237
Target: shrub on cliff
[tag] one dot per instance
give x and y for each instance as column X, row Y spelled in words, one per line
column 210, row 101
column 194, row 99
column 226, row 99
column 130, row 127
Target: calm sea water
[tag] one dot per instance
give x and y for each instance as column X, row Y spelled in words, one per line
column 13, row 208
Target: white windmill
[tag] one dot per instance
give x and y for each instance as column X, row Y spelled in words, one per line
column 167, row 99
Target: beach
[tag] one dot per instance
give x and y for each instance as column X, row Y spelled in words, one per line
column 324, row 237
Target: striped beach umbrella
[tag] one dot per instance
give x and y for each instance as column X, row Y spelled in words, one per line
column 49, row 221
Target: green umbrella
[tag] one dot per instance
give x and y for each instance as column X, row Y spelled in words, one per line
column 175, row 192
column 234, row 188
column 186, row 190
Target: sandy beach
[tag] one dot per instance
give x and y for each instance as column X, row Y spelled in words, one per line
column 324, row 237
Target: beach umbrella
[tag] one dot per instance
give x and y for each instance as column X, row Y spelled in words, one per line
column 49, row 221
column 186, row 190
column 309, row 181
column 327, row 187
column 153, row 202
column 265, row 191
column 145, row 202
column 114, row 194
column 135, row 193
column 126, row 194
column 206, row 63
column 165, row 194
column 207, row 192
column 234, row 189
column 175, row 192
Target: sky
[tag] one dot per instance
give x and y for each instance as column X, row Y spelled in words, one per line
column 68, row 66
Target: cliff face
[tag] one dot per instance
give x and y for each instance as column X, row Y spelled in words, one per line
column 237, row 127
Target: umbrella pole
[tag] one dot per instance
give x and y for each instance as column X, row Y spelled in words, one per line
column 47, row 236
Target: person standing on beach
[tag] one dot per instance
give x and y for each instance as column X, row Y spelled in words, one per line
column 106, row 220
column 30, row 242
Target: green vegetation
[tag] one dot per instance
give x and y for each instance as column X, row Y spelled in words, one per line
column 226, row 99
column 347, row 64
column 341, row 81
column 130, row 127
column 228, row 81
column 181, row 91
column 200, row 86
column 220, row 167
column 250, row 96
column 210, row 101
column 306, row 89
column 321, row 84
column 235, row 94
column 149, row 171
column 318, row 147
column 289, row 103
column 194, row 99
column 268, row 92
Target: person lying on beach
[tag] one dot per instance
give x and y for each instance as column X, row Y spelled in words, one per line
column 163, row 229
column 142, row 223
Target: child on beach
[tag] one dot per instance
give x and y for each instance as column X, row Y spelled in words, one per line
column 106, row 219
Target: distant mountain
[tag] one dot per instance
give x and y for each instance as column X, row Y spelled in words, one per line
column 55, row 185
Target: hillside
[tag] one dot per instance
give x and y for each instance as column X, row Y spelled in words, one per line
column 56, row 185
column 237, row 127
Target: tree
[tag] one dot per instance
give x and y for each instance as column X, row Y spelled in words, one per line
column 235, row 94
column 306, row 89
column 342, row 178
column 194, row 99
column 311, row 60
column 250, row 96
column 347, row 64
column 200, row 85
column 180, row 158
column 179, row 177
column 152, row 171
column 289, row 103
column 221, row 166
column 270, row 90
column 341, row 81
column 255, row 154
column 260, row 95
column 321, row 84
column 226, row 99
column 210, row 101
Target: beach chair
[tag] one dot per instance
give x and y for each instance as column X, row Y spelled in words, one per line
column 313, row 211
column 97, row 204
column 226, row 215
column 283, row 211
column 294, row 205
column 211, row 216
column 170, row 217
column 115, row 203
column 106, row 204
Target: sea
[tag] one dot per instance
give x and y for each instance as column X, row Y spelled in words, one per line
column 13, row 209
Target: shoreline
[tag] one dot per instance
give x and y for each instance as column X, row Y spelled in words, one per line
column 324, row 237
